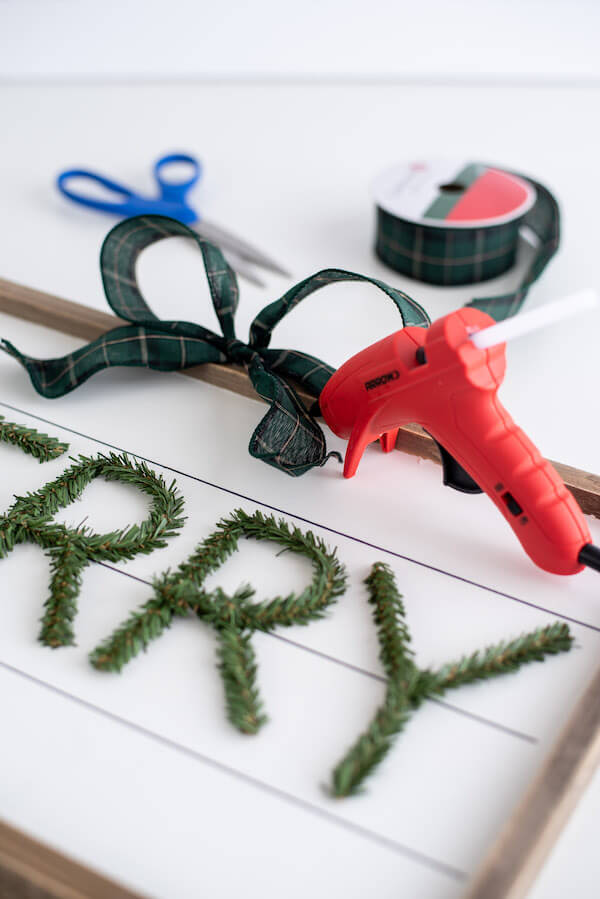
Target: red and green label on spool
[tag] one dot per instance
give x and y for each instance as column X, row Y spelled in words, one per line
column 453, row 194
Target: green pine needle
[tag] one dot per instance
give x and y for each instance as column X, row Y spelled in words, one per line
column 388, row 614
column 36, row 444
column 8, row 536
column 503, row 657
column 132, row 637
column 237, row 664
column 66, row 565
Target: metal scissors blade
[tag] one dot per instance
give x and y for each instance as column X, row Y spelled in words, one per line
column 228, row 241
column 242, row 268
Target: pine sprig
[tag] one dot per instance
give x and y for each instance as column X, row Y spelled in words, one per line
column 237, row 664
column 182, row 590
column 397, row 659
column 133, row 636
column 30, row 520
column 503, row 658
column 67, row 563
column 371, row 747
column 234, row 617
column 407, row 686
column 329, row 575
column 164, row 521
column 208, row 556
column 388, row 614
column 35, row 443
column 8, row 536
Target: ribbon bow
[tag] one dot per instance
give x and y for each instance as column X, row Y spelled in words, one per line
column 287, row 437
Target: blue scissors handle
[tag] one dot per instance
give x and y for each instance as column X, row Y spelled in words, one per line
column 176, row 191
column 171, row 200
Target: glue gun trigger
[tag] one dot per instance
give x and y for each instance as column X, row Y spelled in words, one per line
column 454, row 474
column 388, row 440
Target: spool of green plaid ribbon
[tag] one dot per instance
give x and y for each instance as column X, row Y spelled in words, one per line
column 451, row 223
column 288, row 436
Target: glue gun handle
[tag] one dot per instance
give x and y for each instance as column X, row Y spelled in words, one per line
column 526, row 488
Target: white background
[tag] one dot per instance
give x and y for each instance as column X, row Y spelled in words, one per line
column 288, row 159
column 550, row 40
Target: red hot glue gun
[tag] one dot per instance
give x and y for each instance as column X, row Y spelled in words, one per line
column 446, row 378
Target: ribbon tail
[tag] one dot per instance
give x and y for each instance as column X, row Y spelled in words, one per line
column 543, row 221
column 287, row 437
column 129, row 345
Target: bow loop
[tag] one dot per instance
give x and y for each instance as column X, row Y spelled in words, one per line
column 262, row 326
column 119, row 255
column 288, row 436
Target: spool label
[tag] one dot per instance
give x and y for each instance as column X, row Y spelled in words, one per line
column 453, row 194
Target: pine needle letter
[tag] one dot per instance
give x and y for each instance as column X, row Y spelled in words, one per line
column 234, row 617
column 407, row 686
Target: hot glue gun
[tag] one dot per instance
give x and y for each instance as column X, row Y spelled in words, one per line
column 446, row 378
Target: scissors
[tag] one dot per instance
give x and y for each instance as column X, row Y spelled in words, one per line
column 171, row 201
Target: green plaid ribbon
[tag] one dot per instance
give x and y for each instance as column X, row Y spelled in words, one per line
column 288, row 437
column 453, row 256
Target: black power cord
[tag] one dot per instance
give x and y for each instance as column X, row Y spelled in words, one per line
column 590, row 555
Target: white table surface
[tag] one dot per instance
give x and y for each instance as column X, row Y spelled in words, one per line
column 289, row 167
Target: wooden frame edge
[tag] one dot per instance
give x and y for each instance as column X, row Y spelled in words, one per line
column 509, row 867
column 32, row 870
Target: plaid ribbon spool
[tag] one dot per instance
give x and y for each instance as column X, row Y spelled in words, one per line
column 451, row 256
column 287, row 437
